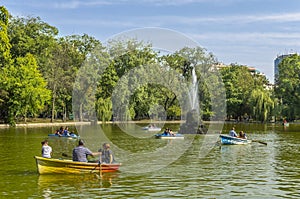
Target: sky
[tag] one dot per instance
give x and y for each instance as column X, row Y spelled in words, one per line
column 245, row 32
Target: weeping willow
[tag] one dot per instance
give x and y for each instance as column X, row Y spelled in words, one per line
column 104, row 109
column 262, row 104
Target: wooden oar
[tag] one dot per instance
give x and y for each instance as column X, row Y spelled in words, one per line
column 261, row 142
column 65, row 155
column 98, row 165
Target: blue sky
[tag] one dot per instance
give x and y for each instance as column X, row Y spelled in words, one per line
column 249, row 32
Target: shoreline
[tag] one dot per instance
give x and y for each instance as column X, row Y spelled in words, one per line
column 45, row 124
column 73, row 123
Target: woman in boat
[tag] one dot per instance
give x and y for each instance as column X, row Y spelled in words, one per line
column 61, row 130
column 242, row 135
column 106, row 155
column 66, row 131
column 171, row 133
column 46, row 149
column 57, row 132
column 80, row 153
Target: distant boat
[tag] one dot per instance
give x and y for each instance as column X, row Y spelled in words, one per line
column 73, row 136
column 229, row 140
column 286, row 124
column 151, row 128
column 168, row 136
column 59, row 166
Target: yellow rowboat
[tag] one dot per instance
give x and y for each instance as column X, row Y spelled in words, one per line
column 51, row 166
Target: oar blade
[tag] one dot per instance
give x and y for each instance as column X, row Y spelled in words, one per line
column 261, row 142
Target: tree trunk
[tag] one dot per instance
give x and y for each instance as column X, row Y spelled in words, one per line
column 53, row 108
column 80, row 112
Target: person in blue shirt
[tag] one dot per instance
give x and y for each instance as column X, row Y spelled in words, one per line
column 166, row 132
column 232, row 132
column 66, row 131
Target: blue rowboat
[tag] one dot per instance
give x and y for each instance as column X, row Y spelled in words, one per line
column 168, row 136
column 229, row 140
column 73, row 136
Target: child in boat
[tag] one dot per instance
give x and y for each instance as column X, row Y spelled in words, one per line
column 46, row 149
column 106, row 155
column 171, row 133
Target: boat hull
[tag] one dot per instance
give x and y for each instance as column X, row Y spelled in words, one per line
column 151, row 128
column 59, row 166
column 229, row 140
column 72, row 136
column 170, row 137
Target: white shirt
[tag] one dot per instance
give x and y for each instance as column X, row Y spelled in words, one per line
column 46, row 151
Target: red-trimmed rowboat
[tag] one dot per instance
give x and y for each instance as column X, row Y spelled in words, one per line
column 52, row 165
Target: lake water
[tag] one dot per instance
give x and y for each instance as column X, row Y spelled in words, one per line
column 153, row 168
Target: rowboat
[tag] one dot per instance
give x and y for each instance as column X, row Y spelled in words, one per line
column 147, row 128
column 73, row 136
column 168, row 136
column 61, row 166
column 226, row 139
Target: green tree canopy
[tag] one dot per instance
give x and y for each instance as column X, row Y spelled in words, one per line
column 26, row 89
column 288, row 88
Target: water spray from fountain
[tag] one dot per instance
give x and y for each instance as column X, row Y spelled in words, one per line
column 193, row 94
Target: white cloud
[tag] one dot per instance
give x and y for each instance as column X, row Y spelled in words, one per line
column 241, row 19
column 78, row 4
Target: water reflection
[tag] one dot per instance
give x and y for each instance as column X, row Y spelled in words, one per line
column 249, row 171
column 50, row 185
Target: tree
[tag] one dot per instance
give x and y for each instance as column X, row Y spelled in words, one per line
column 5, row 46
column 288, row 88
column 246, row 93
column 187, row 60
column 87, row 81
column 238, row 84
column 66, row 57
column 34, row 36
column 262, row 104
column 131, row 56
column 5, row 62
column 27, row 93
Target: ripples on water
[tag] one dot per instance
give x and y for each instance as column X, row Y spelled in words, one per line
column 250, row 171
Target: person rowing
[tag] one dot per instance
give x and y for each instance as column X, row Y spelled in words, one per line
column 232, row 132
column 80, row 153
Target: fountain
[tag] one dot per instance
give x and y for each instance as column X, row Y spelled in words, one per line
column 191, row 126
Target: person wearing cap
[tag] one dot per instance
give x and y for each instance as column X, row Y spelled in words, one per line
column 80, row 152
column 106, row 155
column 46, row 149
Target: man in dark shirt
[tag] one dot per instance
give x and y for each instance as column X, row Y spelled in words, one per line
column 80, row 153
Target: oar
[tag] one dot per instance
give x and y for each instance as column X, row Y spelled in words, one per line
column 65, row 155
column 261, row 142
column 96, row 167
